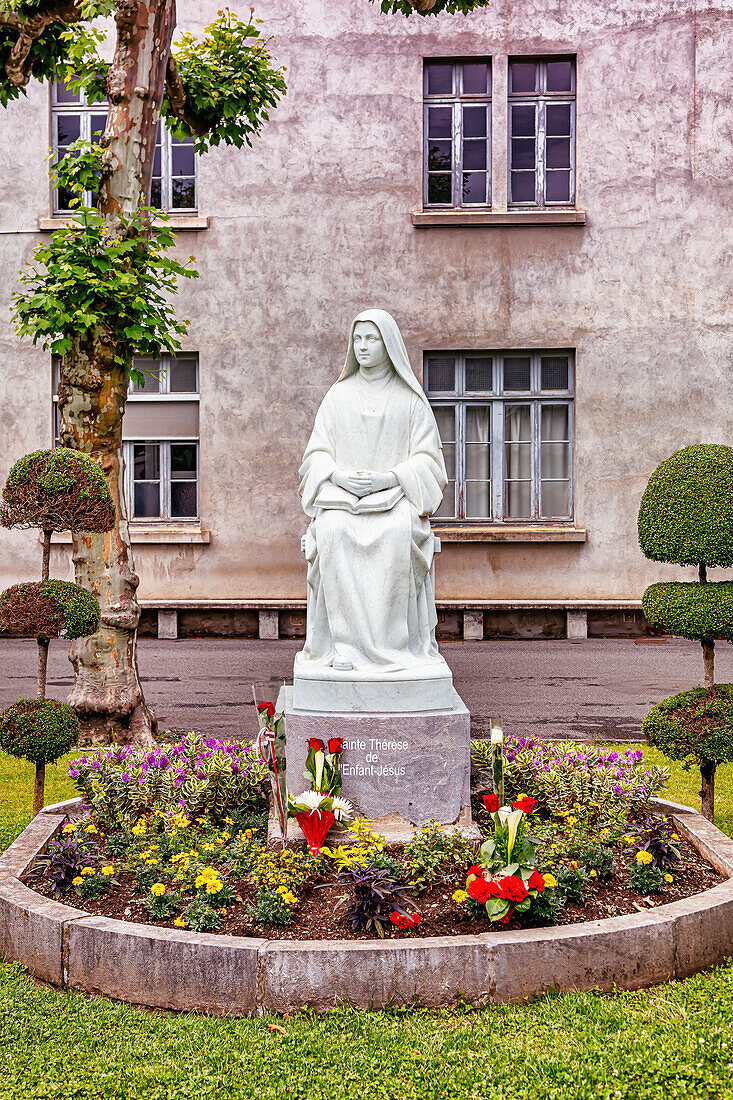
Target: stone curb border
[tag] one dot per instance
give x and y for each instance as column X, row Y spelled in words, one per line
column 233, row 975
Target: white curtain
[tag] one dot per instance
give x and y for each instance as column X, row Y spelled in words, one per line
column 518, row 462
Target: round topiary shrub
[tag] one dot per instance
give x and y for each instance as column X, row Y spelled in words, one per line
column 694, row 727
column 39, row 730
column 52, row 609
column 57, row 490
column 686, row 512
column 691, row 610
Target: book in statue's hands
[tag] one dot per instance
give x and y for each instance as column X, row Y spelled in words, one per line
column 333, row 496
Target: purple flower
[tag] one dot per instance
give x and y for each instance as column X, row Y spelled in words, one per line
column 125, row 777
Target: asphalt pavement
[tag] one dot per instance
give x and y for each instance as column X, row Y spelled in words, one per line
column 596, row 688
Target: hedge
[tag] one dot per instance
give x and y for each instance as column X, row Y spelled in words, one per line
column 690, row 609
column 694, row 727
column 39, row 730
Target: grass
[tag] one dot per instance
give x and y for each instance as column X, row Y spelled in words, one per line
column 673, row 1041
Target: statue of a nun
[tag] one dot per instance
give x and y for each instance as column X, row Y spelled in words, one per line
column 372, row 475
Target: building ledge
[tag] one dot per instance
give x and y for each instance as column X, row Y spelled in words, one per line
column 504, row 533
column 498, row 219
column 177, row 222
column 153, row 535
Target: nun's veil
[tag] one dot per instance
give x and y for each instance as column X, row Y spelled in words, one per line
column 393, row 342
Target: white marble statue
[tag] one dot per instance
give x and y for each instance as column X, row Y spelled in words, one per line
column 372, row 475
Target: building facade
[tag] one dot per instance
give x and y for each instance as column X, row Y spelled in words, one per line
column 540, row 193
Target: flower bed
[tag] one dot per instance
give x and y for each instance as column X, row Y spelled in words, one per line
column 176, row 838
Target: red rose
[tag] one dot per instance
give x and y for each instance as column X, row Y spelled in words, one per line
column 536, row 882
column 480, row 890
column 491, row 802
column 477, row 869
column 315, row 743
column 267, row 708
column 508, row 917
column 526, row 805
column 512, row 888
column 335, row 744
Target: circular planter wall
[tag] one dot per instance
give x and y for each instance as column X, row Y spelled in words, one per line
column 168, row 968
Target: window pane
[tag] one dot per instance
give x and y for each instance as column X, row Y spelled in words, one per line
column 155, row 194
column 555, row 373
column 447, row 507
column 157, row 160
column 559, row 76
column 445, row 418
column 478, row 429
column 439, row 154
column 478, row 375
column 97, row 126
column 517, row 428
column 183, row 376
column 182, row 159
column 554, row 427
column 440, row 78
column 517, row 500
column 474, row 122
column 183, row 499
column 441, row 375
column 554, row 459
column 146, row 461
column 68, row 128
column 439, row 189
column 477, row 461
column 475, row 78
column 523, row 75
column 147, row 499
column 555, row 499
column 558, row 118
column 183, row 461
column 474, row 187
column 474, row 154
column 557, row 188
column 516, row 375
column 478, row 499
column 523, row 153
column 64, row 94
column 150, row 385
column 183, row 193
column 523, row 121
column 440, row 122
column 558, row 152
column 523, row 187
column 449, row 457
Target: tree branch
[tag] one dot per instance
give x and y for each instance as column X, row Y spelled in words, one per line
column 179, row 101
column 19, row 64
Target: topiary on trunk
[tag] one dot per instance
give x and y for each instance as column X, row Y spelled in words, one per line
column 686, row 517
column 54, row 490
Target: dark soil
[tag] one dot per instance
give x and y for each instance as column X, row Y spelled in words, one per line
column 318, row 918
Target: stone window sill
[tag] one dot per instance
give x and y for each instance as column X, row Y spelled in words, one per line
column 498, row 219
column 153, row 535
column 177, row 222
column 502, row 533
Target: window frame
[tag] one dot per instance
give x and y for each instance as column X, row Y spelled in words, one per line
column 540, row 99
column 165, row 517
column 455, row 101
column 499, row 399
column 86, row 110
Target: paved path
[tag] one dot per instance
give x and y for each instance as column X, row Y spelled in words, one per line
column 599, row 687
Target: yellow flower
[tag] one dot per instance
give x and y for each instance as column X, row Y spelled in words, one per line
column 214, row 887
column 88, row 871
column 228, row 821
column 643, row 857
column 550, row 881
column 571, row 820
column 152, row 862
column 223, row 912
column 573, row 864
column 108, row 870
column 92, row 828
column 139, row 829
column 77, row 881
column 674, row 836
column 208, row 847
column 179, row 922
column 70, row 827
column 248, row 833
column 594, row 874
column 460, row 896
column 668, row 878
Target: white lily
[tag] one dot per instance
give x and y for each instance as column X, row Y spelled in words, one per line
column 510, row 818
column 497, row 736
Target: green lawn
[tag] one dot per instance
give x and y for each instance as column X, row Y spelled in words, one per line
column 674, row 1041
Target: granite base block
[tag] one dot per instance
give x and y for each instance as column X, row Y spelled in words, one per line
column 412, row 766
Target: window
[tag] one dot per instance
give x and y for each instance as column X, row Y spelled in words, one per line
column 457, row 133
column 174, row 166
column 160, row 433
column 506, row 424
column 542, row 132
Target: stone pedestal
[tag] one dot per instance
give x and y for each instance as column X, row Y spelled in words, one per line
column 404, row 768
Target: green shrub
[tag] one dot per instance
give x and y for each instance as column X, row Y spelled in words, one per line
column 435, row 855
column 690, row 609
column 39, row 730
column 57, row 490
column 686, row 512
column 50, row 608
column 694, row 727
